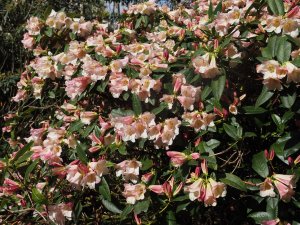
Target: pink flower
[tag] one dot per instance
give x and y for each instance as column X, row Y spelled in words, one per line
column 179, row 158
column 58, row 213
column 20, row 96
column 267, row 188
column 206, row 191
column 129, row 169
column 76, row 86
column 271, row 222
column 28, row 41
column 87, row 117
column 133, row 193
column 284, row 185
column 9, row 187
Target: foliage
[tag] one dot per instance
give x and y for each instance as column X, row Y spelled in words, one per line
column 185, row 116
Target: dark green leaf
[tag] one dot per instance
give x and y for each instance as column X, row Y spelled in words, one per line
column 146, row 164
column 272, row 206
column 260, row 165
column 234, row 181
column 276, row 7
column 170, row 218
column 111, row 207
column 284, row 49
column 80, row 149
column 288, row 101
column 136, row 105
column 22, row 152
column 138, row 23
column 75, row 126
column 37, row 196
column 128, row 209
column 104, row 189
column 254, row 110
column 264, row 96
column 160, row 108
column 260, row 216
column 30, row 168
column 205, row 92
column 218, row 86
column 141, row 206
column 182, row 207
column 231, row 131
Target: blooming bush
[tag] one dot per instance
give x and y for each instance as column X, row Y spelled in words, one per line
column 164, row 120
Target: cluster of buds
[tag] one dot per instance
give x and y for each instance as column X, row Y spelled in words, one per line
column 168, row 188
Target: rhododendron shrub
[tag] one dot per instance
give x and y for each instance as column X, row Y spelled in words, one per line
column 184, row 116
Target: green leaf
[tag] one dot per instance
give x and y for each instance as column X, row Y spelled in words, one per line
column 111, row 207
column 260, row 216
column 24, row 157
column 205, row 92
column 276, row 7
column 75, row 126
column 284, row 49
column 138, row 23
column 80, row 149
column 141, row 206
column 252, row 110
column 218, row 86
column 122, row 150
column 270, row 51
column 218, row 8
column 264, row 96
column 272, row 206
column 37, row 196
column 72, row 36
column 288, row 101
column 260, row 164
column 170, row 218
column 279, row 150
column 234, row 181
column 84, row 133
column 136, row 105
column 210, row 11
column 128, row 209
column 22, row 151
column 182, row 207
column 146, row 164
column 231, row 131
column 121, row 112
column 49, row 32
column 30, row 168
column 104, row 189
column 160, row 108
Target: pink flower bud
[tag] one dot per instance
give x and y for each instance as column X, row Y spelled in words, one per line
column 266, row 154
column 216, row 44
column 137, row 219
column 147, row 177
column 294, row 11
column 204, row 166
column 197, row 171
column 198, row 141
column 166, row 54
column 272, row 154
column 119, row 49
column 167, row 189
column 177, row 85
column 290, row 161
